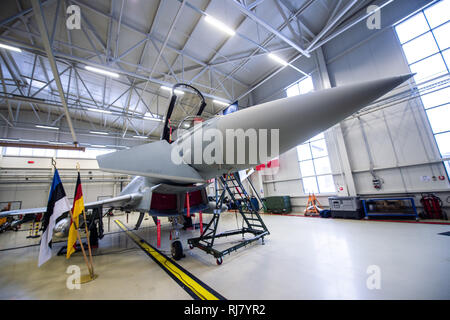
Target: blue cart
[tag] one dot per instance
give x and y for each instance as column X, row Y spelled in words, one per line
column 371, row 213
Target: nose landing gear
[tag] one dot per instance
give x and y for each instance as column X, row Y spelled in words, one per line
column 176, row 247
column 177, row 250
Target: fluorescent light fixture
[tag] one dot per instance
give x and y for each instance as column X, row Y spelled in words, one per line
column 99, row 132
column 101, row 71
column 278, row 59
column 9, row 140
column 38, row 84
column 148, row 116
column 140, row 137
column 219, row 25
column 97, row 146
column 170, row 89
column 47, row 127
column 5, row 46
column 99, row 110
column 37, row 141
column 57, row 143
column 223, row 103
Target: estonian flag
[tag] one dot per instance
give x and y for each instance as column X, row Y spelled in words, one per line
column 57, row 205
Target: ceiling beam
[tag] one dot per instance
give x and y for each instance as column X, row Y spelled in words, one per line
column 305, row 6
column 44, row 35
column 269, row 28
column 332, row 23
column 349, row 25
column 22, row 13
column 169, row 46
column 78, row 60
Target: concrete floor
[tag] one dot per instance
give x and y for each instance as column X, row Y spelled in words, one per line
column 303, row 258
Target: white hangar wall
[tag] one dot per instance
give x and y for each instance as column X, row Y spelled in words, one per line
column 399, row 138
column 30, row 183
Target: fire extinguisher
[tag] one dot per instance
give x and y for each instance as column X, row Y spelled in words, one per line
column 432, row 206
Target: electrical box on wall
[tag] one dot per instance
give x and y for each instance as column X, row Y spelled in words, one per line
column 377, row 182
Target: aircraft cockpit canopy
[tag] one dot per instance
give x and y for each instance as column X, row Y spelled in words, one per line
column 185, row 110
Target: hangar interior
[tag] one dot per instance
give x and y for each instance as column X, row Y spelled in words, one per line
column 253, row 52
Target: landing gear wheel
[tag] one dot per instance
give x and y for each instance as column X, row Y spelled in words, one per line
column 177, row 250
column 219, row 261
column 191, row 246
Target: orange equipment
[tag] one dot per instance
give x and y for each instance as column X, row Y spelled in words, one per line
column 312, row 206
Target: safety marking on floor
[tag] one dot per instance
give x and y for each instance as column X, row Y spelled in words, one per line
column 191, row 284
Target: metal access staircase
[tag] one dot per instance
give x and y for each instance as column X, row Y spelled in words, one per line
column 252, row 221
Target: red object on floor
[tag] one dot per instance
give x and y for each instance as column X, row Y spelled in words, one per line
column 201, row 222
column 38, row 217
column 158, row 230
column 432, row 206
column 188, row 208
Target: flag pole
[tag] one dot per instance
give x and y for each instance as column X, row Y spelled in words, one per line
column 82, row 248
column 76, row 227
column 91, row 271
column 83, row 279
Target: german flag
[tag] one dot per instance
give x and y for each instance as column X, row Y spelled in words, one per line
column 77, row 209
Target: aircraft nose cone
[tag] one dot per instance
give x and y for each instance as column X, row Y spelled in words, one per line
column 408, row 76
column 303, row 117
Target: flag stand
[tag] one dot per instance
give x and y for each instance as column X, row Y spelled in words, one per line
column 91, row 276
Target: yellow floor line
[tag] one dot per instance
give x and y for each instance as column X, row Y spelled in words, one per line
column 190, row 283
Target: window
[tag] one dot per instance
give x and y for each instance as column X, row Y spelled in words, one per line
column 29, row 152
column 426, row 43
column 314, row 162
column 89, row 153
column 303, row 86
column 315, row 166
column 50, row 153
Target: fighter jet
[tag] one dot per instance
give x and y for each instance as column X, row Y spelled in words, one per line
column 167, row 171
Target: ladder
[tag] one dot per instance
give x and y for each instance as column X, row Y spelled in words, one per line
column 255, row 192
column 252, row 221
